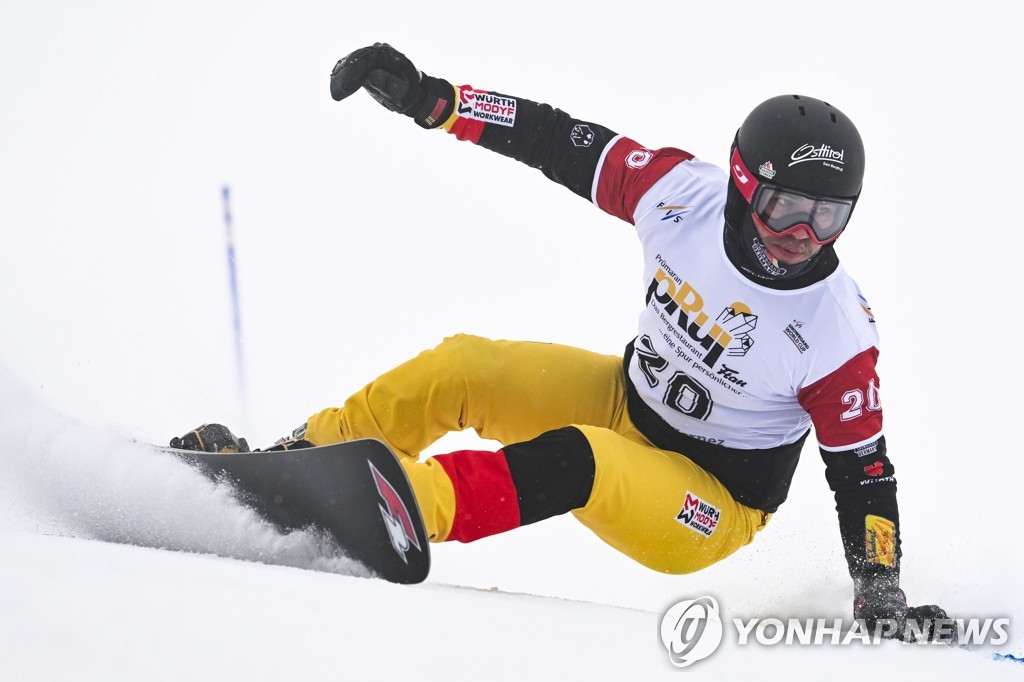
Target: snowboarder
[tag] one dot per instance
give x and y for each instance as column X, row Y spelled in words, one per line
column 678, row 453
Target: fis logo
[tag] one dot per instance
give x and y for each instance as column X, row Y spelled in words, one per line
column 730, row 330
column 396, row 516
column 865, row 307
column 673, row 213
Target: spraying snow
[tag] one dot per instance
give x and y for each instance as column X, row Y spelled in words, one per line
column 61, row 477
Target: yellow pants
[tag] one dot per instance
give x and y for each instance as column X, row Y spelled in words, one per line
column 653, row 505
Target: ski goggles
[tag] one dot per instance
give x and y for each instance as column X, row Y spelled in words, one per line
column 782, row 211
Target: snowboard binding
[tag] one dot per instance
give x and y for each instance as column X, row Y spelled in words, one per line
column 218, row 438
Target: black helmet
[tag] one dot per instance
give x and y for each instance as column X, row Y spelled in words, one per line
column 799, row 143
column 797, row 162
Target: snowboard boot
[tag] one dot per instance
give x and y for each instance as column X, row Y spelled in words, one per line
column 211, row 438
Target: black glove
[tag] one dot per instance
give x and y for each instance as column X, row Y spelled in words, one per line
column 883, row 607
column 211, row 438
column 392, row 80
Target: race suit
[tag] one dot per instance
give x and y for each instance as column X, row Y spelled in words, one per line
column 679, row 452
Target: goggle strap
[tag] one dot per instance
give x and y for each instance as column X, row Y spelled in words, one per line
column 741, row 175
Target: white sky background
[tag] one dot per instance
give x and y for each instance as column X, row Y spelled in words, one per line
column 362, row 239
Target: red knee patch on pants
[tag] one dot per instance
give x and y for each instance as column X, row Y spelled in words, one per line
column 486, row 502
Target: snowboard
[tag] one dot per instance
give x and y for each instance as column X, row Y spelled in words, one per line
column 355, row 491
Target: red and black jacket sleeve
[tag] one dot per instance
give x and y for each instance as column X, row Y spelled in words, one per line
column 569, row 151
column 847, row 416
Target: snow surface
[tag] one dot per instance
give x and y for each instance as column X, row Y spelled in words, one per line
column 362, row 239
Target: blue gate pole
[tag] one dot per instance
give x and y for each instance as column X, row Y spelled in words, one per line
column 235, row 310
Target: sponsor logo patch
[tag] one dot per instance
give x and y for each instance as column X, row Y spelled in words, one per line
column 767, row 170
column 865, row 450
column 769, row 262
column 582, row 135
column 731, row 375
column 486, row 107
column 796, row 337
column 698, row 515
column 683, row 307
column 884, row 479
column 829, row 157
column 880, row 540
column 739, row 172
column 396, row 516
column 638, row 158
column 873, row 469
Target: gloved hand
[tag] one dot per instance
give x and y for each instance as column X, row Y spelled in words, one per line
column 211, row 438
column 887, row 603
column 386, row 73
column 392, row 80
